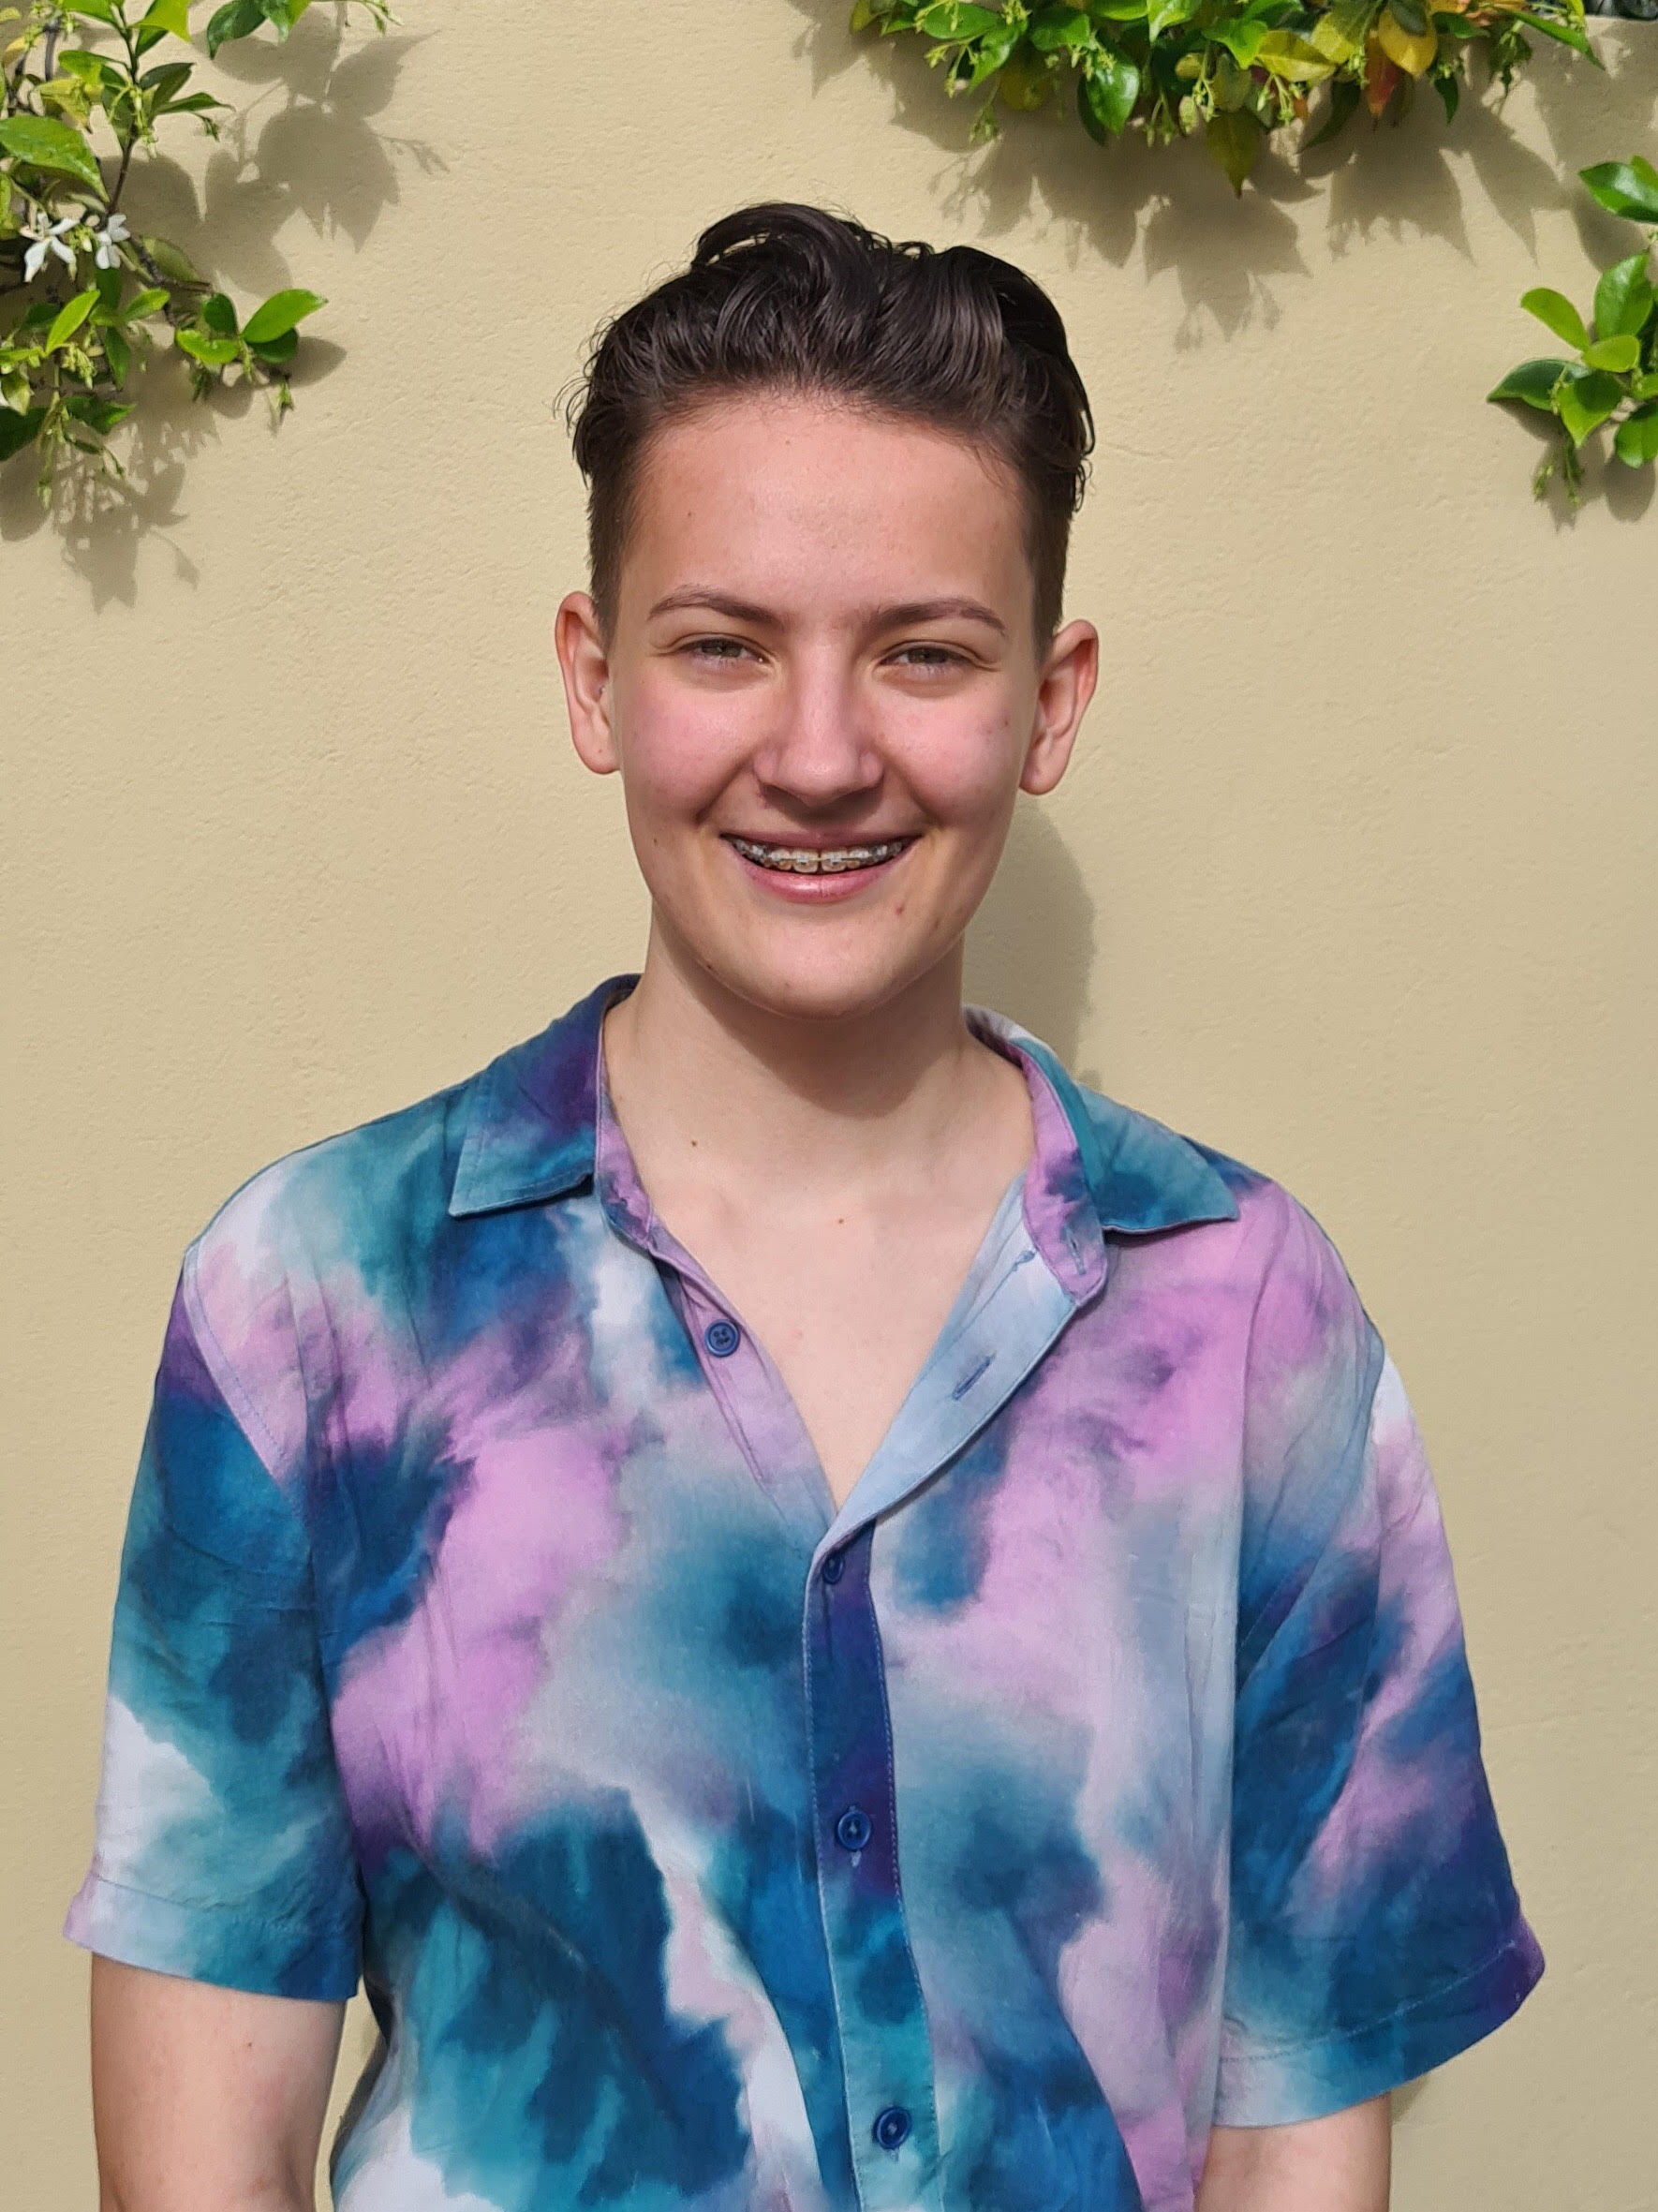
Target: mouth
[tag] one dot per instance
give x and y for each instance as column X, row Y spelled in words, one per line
column 819, row 860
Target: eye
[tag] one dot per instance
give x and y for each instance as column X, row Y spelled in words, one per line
column 717, row 650
column 928, row 655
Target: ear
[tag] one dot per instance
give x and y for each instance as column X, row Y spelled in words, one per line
column 584, row 664
column 1069, row 671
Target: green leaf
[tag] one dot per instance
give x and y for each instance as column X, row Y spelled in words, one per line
column 69, row 317
column 17, row 431
column 98, row 11
column 166, row 78
column 1624, row 188
column 211, row 353
column 1344, row 99
column 275, row 352
column 219, row 314
column 171, row 262
column 143, row 304
column 1163, row 13
column 1635, row 439
column 1567, row 33
column 238, row 19
column 118, row 353
column 279, row 314
column 1618, row 354
column 1645, row 387
column 1241, row 41
column 91, row 68
column 1105, row 96
column 958, row 19
column 45, row 143
column 1236, row 140
column 170, row 15
column 1449, row 87
column 1583, row 399
column 1554, row 309
column 1533, row 381
column 1060, row 30
column 98, row 414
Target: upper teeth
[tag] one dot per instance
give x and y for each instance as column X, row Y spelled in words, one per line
column 806, row 863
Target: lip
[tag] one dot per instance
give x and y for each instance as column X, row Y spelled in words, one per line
column 817, row 890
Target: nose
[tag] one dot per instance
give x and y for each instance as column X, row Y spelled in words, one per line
column 821, row 747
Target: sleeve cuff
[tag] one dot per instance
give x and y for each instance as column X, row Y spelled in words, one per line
column 1275, row 2086
column 268, row 1955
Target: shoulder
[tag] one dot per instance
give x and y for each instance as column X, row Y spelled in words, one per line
column 333, row 1202
column 269, row 1286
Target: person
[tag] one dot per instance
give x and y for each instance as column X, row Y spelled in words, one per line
column 827, row 1617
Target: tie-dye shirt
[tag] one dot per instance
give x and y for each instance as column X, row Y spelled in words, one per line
column 1105, row 1768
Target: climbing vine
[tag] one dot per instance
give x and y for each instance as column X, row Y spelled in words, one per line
column 85, row 302
column 1610, row 379
column 1232, row 71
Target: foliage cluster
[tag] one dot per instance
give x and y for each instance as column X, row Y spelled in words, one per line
column 88, row 299
column 1613, row 377
column 1232, row 70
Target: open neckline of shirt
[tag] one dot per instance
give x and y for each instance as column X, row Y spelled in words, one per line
column 629, row 1212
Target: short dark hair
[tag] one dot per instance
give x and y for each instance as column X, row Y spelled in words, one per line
column 793, row 298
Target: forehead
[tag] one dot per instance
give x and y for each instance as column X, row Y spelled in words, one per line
column 775, row 490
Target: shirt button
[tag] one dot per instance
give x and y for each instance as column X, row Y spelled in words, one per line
column 722, row 1338
column 892, row 2128
column 852, row 1830
column 834, row 1567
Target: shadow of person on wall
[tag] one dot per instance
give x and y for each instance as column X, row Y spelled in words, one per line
column 1030, row 950
column 304, row 144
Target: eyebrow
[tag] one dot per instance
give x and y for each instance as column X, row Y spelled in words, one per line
column 893, row 617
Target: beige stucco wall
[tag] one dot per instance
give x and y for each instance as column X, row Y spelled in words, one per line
column 1354, row 877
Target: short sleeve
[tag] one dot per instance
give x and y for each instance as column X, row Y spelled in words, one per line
column 223, row 1851
column 1375, row 1931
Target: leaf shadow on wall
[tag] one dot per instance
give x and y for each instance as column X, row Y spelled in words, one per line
column 1229, row 257
column 301, row 142
column 1031, row 952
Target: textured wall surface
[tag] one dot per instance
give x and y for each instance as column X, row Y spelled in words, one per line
column 1354, row 877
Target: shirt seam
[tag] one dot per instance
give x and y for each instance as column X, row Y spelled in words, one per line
column 1352, row 2035
column 237, row 1399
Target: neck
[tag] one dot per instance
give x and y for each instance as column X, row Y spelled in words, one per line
column 788, row 1102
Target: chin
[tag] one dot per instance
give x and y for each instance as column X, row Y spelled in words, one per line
column 792, row 989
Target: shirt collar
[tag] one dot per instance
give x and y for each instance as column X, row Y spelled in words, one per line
column 530, row 1119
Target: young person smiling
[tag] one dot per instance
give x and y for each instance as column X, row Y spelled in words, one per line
column 830, row 1619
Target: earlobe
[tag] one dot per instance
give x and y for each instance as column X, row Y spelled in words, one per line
column 584, row 664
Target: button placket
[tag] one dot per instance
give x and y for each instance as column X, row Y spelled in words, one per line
column 887, row 2051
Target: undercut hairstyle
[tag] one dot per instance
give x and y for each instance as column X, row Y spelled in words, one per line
column 791, row 300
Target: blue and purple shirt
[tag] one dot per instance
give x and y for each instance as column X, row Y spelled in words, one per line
column 1105, row 1768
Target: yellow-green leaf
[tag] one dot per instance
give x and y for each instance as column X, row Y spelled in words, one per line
column 1341, row 33
column 70, row 316
column 1297, row 60
column 1410, row 51
column 170, row 15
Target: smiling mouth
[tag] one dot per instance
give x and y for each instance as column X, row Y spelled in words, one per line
column 831, row 860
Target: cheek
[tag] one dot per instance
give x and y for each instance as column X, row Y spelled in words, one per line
column 677, row 753
column 965, row 773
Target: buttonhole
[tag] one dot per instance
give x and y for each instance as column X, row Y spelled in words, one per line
column 967, row 1382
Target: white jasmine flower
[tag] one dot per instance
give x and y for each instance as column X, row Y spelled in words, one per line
column 48, row 240
column 108, row 239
